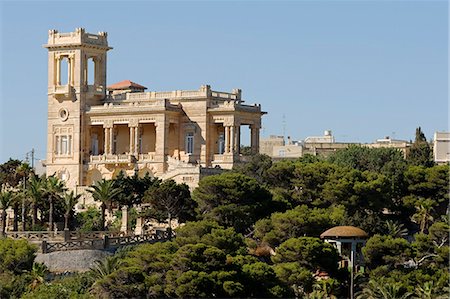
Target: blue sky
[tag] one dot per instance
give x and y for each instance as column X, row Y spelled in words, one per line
column 364, row 69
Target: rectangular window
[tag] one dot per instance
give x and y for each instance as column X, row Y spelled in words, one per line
column 189, row 143
column 221, row 144
column 63, row 145
column 114, row 149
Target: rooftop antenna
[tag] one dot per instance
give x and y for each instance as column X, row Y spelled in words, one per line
column 284, row 126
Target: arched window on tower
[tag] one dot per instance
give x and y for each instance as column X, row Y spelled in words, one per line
column 91, row 70
column 64, row 71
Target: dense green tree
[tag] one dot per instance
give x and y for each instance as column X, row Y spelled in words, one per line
column 298, row 222
column 210, row 233
column 170, row 200
column 6, row 200
column 311, row 253
column 16, row 256
column 105, row 192
column 420, row 152
column 297, row 259
column 233, row 200
column 386, row 250
column 8, row 173
column 256, row 168
column 428, row 185
column 133, row 188
column 89, row 220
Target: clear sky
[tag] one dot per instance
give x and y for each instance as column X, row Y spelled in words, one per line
column 364, row 69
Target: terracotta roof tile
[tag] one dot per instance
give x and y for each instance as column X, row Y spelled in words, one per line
column 126, row 84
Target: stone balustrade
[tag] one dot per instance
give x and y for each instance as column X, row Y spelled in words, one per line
column 122, row 158
column 176, row 94
column 102, row 159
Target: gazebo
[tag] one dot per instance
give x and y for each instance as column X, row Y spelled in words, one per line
column 348, row 240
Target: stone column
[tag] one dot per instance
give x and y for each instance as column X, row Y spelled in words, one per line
column 136, row 141
column 232, row 139
column 237, row 144
column 139, row 223
column 69, row 67
column 106, row 143
column 162, row 128
column 254, row 139
column 227, row 139
column 58, row 70
column 131, row 148
column 111, row 139
column 124, row 226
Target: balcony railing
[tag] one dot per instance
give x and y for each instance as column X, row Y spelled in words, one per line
column 122, row 158
column 61, row 91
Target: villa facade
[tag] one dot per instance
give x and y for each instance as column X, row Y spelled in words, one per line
column 95, row 131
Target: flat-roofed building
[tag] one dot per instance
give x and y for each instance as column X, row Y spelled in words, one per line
column 441, row 147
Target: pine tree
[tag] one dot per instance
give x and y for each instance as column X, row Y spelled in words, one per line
column 420, row 152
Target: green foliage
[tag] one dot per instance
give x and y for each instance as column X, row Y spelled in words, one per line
column 16, row 256
column 386, row 250
column 210, row 233
column 427, row 184
column 9, row 176
column 297, row 222
column 125, row 282
column 420, row 151
column 106, row 193
column 170, row 200
column 256, row 168
column 133, row 188
column 13, row 286
column 310, row 253
column 233, row 200
column 395, row 229
column 89, row 220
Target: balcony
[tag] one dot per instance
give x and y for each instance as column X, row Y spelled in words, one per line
column 122, row 158
column 97, row 90
column 62, row 92
column 112, row 159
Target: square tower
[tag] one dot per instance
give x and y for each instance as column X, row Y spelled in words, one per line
column 76, row 80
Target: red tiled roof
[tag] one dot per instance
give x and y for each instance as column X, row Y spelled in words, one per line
column 126, row 84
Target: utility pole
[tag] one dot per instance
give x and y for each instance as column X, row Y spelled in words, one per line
column 32, row 158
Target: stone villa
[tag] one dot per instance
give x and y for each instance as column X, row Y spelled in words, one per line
column 95, row 131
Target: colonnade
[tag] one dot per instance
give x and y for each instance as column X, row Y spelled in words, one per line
column 233, row 139
column 109, row 139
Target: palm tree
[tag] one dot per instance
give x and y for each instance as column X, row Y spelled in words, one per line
column 70, row 200
column 105, row 267
column 423, row 214
column 395, row 229
column 375, row 290
column 23, row 171
column 35, row 191
column 54, row 189
column 38, row 273
column 105, row 192
column 6, row 200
